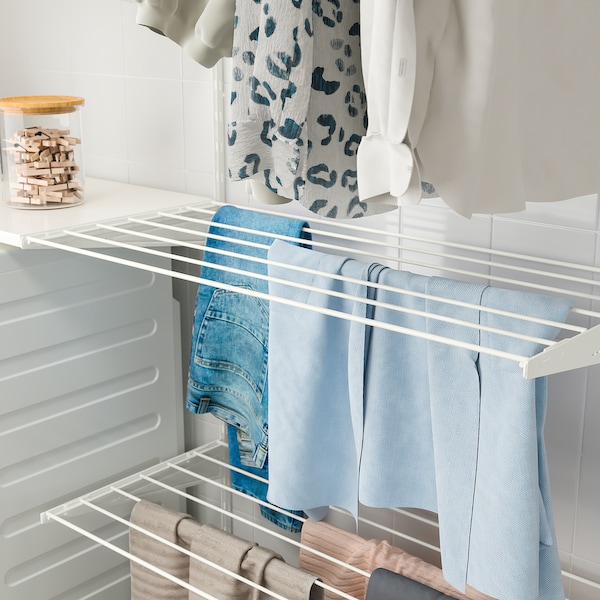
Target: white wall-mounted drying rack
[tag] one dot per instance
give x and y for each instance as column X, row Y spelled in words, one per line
column 202, row 477
column 153, row 222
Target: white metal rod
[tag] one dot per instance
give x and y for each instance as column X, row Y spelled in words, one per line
column 218, row 133
column 130, row 556
column 497, row 278
column 203, row 248
column 225, row 487
column 407, row 513
column 363, row 228
column 365, row 321
column 260, row 528
column 314, row 243
column 393, row 246
column 183, row 550
column 301, row 519
column 374, row 523
column 376, row 285
column 201, row 453
column 335, row 294
column 335, row 509
column 406, row 537
column 583, row 580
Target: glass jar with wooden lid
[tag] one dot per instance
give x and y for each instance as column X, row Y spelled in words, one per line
column 42, row 155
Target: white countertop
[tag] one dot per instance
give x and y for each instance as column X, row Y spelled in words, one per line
column 104, row 200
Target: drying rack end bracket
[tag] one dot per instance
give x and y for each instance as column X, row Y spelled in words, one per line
column 582, row 350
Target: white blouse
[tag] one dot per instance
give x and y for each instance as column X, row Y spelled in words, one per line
column 504, row 105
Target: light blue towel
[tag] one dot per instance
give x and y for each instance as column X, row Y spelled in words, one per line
column 512, row 491
column 315, row 422
column 443, row 428
column 471, row 425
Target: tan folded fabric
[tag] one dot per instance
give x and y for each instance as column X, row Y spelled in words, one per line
column 258, row 564
column 247, row 559
column 225, row 550
column 366, row 555
column 293, row 583
column 146, row 584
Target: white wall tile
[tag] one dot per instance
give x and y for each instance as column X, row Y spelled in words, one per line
column 95, row 30
column 106, row 168
column 104, row 120
column 588, row 570
column 574, row 246
column 20, row 19
column 564, row 481
column 587, row 530
column 200, row 184
column 148, row 120
column 537, row 239
column 146, row 53
column 193, row 71
column 566, row 406
column 591, row 437
column 34, row 82
column 198, row 130
column 155, row 123
column 443, row 225
column 164, row 178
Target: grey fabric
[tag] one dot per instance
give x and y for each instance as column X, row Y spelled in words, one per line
column 386, row 585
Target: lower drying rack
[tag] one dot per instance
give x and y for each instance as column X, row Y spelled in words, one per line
column 200, row 480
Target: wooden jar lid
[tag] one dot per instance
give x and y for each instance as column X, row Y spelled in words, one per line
column 39, row 105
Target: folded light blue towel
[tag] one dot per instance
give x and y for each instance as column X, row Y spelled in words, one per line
column 316, row 422
column 512, row 491
column 431, row 426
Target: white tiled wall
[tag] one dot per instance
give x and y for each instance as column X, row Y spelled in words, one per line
column 148, row 120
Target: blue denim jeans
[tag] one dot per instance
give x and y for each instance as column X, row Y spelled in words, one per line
column 228, row 363
column 255, row 488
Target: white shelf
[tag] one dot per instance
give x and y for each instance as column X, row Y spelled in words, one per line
column 104, row 200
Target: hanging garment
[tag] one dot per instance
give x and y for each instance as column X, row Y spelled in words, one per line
column 399, row 44
column 298, row 107
column 366, row 555
column 440, row 433
column 228, row 362
column 504, row 110
column 203, row 28
column 386, row 585
column 386, row 161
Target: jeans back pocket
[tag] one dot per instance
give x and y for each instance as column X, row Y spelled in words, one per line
column 231, row 347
